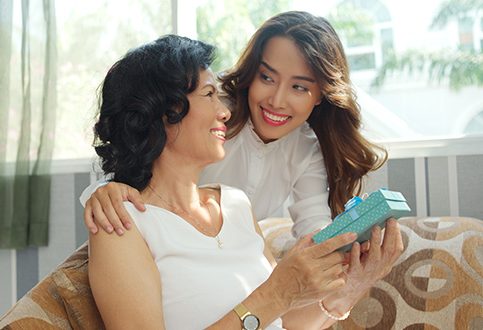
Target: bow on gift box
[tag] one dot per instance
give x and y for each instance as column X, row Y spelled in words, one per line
column 349, row 207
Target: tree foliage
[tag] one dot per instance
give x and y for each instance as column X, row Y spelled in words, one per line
column 451, row 9
column 229, row 24
column 352, row 23
column 459, row 68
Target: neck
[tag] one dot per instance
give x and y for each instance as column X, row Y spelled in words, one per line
column 175, row 181
column 173, row 186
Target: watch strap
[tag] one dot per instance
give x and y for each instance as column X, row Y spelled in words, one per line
column 242, row 311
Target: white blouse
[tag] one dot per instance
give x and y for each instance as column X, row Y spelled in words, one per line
column 202, row 282
column 271, row 173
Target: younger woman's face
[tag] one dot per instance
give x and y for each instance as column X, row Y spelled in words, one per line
column 284, row 91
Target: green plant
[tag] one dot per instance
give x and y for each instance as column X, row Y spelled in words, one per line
column 458, row 67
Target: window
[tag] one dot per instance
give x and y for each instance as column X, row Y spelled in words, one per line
column 470, row 31
column 432, row 63
column 465, row 27
column 366, row 30
column 480, row 34
column 93, row 34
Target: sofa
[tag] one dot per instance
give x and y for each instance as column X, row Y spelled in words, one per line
column 437, row 283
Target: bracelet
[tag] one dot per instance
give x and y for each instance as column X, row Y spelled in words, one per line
column 333, row 317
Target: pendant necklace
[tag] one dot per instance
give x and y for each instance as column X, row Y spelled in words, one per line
column 197, row 223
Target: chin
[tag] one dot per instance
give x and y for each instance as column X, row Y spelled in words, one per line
column 269, row 135
column 221, row 156
column 218, row 157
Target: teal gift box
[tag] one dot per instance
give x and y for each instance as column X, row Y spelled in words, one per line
column 361, row 215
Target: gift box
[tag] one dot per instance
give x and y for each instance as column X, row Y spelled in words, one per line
column 361, row 215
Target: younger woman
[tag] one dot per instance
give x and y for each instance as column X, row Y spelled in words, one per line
column 294, row 130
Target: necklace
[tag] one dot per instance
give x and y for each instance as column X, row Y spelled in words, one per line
column 197, row 224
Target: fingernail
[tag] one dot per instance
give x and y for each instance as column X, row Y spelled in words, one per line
column 109, row 229
column 119, row 231
column 128, row 225
column 93, row 230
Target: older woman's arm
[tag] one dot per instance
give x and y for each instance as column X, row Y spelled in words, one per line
column 310, row 316
column 125, row 281
column 130, row 298
column 298, row 280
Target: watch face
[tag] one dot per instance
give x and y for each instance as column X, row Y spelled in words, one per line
column 251, row 322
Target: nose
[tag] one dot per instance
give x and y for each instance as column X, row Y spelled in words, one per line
column 223, row 114
column 278, row 98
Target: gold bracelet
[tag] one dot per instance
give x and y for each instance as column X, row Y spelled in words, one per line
column 333, row 317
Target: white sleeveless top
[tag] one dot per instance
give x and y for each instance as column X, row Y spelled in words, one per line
column 201, row 282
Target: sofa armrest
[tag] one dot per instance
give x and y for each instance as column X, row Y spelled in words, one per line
column 62, row 300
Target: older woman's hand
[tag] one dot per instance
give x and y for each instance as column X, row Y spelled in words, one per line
column 310, row 271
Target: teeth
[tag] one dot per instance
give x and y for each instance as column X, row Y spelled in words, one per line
column 275, row 117
column 218, row 133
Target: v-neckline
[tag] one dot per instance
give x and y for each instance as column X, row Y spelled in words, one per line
column 217, row 186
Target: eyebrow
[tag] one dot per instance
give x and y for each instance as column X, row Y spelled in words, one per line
column 266, row 65
column 212, row 86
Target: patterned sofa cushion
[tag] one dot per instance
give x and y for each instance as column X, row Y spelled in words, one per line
column 62, row 300
column 437, row 283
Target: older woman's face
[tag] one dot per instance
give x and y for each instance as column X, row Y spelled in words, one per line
column 284, row 91
column 200, row 135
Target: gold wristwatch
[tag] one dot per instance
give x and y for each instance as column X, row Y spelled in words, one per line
column 248, row 320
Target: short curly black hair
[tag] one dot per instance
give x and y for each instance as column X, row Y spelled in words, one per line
column 148, row 85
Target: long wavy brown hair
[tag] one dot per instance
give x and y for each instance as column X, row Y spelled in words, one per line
column 336, row 121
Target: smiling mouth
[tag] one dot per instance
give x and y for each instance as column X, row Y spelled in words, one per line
column 218, row 133
column 274, row 119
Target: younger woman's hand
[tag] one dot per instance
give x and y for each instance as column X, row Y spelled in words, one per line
column 367, row 268
column 310, row 271
column 105, row 208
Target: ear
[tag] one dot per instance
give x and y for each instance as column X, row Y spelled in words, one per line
column 319, row 101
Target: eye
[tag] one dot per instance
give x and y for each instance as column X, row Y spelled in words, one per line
column 300, row 88
column 265, row 77
column 210, row 94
